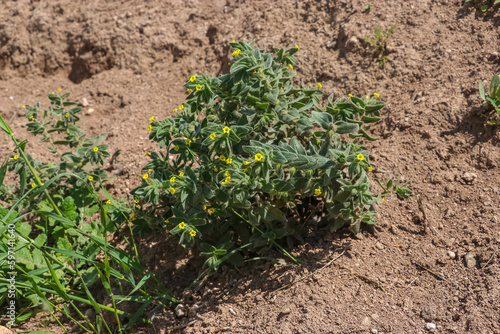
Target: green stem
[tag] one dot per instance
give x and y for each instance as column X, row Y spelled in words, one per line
column 274, row 242
column 9, row 132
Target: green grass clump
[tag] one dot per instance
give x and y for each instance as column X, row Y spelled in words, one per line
column 54, row 227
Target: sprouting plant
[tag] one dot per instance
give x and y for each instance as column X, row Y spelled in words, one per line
column 368, row 7
column 494, row 98
column 379, row 44
column 250, row 155
column 54, row 228
column 484, row 5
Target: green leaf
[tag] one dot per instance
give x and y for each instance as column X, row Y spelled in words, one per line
column 495, row 83
column 221, row 196
column 481, row 90
column 344, row 127
column 324, row 119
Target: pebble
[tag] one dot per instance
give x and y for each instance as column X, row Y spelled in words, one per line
column 379, row 245
column 470, row 260
column 89, row 111
column 180, row 311
column 4, row 330
column 12, row 97
column 85, row 102
column 430, row 326
column 366, row 322
column 469, row 177
column 374, row 331
column 232, row 311
column 452, row 255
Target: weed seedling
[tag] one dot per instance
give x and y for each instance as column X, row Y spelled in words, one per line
column 379, row 44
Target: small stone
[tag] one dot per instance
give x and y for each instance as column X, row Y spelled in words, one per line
column 180, row 311
column 4, row 330
column 374, row 331
column 379, row 245
column 394, row 230
column 452, row 255
column 470, row 260
column 375, row 317
column 469, row 177
column 366, row 322
column 12, row 97
column 430, row 326
column 89, row 111
column 232, row 311
column 85, row 102
column 286, row 309
column 352, row 44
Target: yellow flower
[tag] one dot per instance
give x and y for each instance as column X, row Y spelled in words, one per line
column 317, row 192
column 172, row 191
column 246, row 163
column 236, row 53
column 212, row 136
column 369, row 168
column 259, row 157
column 22, row 106
column 172, row 179
column 215, row 169
column 108, row 201
column 137, row 206
column 59, row 89
column 211, row 210
column 150, row 128
column 192, row 233
column 133, row 216
column 175, row 110
column 167, row 221
column 136, row 201
column 31, row 118
column 290, row 66
column 226, row 130
column 367, row 97
column 90, row 178
column 229, row 161
column 182, row 225
column 33, row 185
column 376, row 95
column 181, row 174
column 152, row 119
column 383, row 199
column 228, row 179
column 233, row 41
column 145, row 176
column 222, row 157
column 193, row 78
column 16, row 157
column 67, row 115
column 350, row 95
column 147, row 154
column 189, row 90
column 360, row 157
column 187, row 141
column 96, row 149
column 150, row 171
column 297, row 47
column 181, row 107
column 227, row 173
column 229, row 64
column 204, row 207
column 176, row 148
column 245, row 170
column 320, row 85
column 199, row 87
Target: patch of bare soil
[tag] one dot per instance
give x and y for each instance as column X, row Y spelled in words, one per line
column 130, row 59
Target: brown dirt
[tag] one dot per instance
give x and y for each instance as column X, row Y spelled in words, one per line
column 129, row 59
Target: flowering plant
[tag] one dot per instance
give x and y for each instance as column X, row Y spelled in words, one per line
column 249, row 156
